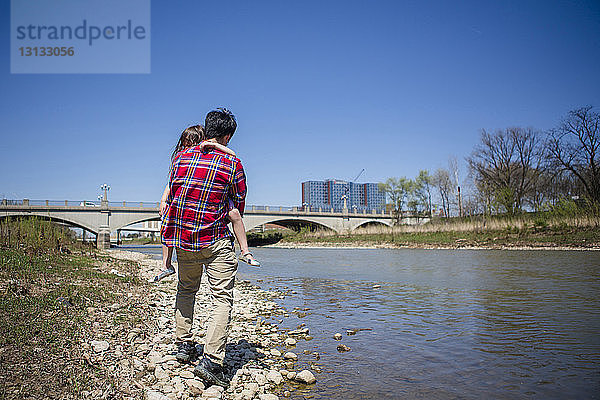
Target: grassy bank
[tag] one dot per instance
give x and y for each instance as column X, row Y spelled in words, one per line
column 528, row 230
column 53, row 296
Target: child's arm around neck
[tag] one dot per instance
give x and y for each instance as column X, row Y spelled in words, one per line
column 212, row 144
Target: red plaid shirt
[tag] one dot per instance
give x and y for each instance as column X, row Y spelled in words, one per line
column 200, row 187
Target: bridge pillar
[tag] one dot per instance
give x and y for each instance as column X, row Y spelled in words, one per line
column 103, row 238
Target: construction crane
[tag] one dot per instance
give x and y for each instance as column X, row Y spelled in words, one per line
column 345, row 196
column 359, row 174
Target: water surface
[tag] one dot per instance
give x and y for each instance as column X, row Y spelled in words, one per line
column 443, row 323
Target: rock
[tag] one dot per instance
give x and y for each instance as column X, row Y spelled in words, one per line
column 290, row 356
column 316, row 355
column 376, row 286
column 186, row 374
column 154, row 357
column 99, row 345
column 196, row 387
column 154, row 395
column 283, row 372
column 287, row 393
column 306, row 377
column 351, row 332
column 253, row 387
column 267, row 396
column 160, row 373
column 337, row 336
column 213, row 392
column 290, row 342
column 274, row 376
column 275, row 353
column 291, row 375
column 307, row 352
column 342, row 348
column 302, row 331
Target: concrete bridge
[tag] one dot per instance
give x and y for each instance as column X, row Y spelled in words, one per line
column 103, row 217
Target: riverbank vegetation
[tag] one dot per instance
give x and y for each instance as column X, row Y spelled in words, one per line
column 54, row 294
column 565, row 225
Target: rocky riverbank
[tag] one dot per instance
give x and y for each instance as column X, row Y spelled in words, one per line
column 260, row 360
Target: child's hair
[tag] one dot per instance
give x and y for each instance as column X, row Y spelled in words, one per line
column 189, row 137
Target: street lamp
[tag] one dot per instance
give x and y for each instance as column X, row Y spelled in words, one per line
column 106, row 188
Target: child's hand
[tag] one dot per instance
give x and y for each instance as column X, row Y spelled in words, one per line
column 206, row 145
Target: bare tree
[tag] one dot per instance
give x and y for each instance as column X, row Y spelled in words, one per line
column 508, row 162
column 575, row 147
column 441, row 180
column 454, row 170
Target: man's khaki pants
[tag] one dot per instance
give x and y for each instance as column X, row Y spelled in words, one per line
column 221, row 267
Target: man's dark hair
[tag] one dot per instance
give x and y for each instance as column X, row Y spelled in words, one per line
column 219, row 123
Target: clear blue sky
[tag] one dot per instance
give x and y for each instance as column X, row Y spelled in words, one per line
column 321, row 89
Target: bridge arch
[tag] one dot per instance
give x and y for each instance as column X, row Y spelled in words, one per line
column 253, row 221
column 67, row 221
column 133, row 221
column 369, row 222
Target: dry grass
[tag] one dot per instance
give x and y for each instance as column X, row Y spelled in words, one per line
column 481, row 224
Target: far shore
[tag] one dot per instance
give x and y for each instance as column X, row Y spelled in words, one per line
column 348, row 246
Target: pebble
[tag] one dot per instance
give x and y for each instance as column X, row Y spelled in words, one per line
column 99, row 345
column 337, row 336
column 267, row 396
column 291, row 375
column 154, row 395
column 306, row 376
column 302, row 331
column 290, row 342
column 290, row 356
column 275, row 353
column 342, row 348
column 160, row 373
column 186, row 374
column 196, row 387
column 275, row 377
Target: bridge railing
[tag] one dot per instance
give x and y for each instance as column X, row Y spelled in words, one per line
column 89, row 204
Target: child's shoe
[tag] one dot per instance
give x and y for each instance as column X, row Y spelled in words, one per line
column 164, row 273
column 249, row 259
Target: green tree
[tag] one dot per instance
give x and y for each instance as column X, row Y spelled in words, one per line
column 422, row 190
column 397, row 191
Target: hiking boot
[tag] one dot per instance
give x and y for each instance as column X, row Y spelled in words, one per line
column 185, row 352
column 211, row 372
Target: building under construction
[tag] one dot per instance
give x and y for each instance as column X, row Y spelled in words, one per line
column 335, row 194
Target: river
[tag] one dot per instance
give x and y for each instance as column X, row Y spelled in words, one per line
column 440, row 324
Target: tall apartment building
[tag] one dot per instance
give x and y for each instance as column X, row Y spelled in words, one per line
column 328, row 194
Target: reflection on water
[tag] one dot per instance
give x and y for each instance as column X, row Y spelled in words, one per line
column 443, row 323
